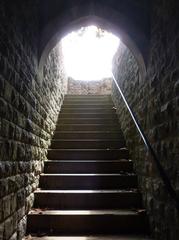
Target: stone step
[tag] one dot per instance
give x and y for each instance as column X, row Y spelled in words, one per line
column 88, row 181
column 87, row 115
column 87, row 222
column 87, row 120
column 88, row 166
column 88, row 127
column 99, row 105
column 96, row 237
column 87, row 199
column 87, row 144
column 88, row 110
column 88, row 186
column 87, row 154
column 88, row 101
column 112, row 135
column 71, row 96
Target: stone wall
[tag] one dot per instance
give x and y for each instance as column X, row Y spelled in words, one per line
column 99, row 87
column 28, row 111
column 29, row 106
column 155, row 100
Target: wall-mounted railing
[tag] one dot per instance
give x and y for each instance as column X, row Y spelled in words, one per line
column 167, row 183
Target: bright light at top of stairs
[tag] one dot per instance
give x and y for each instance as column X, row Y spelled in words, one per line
column 88, row 53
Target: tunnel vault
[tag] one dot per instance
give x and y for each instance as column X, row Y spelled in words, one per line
column 121, row 23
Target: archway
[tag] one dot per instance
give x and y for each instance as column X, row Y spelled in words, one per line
column 101, row 16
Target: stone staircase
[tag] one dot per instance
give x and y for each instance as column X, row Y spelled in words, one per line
column 88, row 186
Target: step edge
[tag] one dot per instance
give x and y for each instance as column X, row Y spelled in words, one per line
column 113, row 191
column 88, row 175
column 89, row 161
column 121, row 212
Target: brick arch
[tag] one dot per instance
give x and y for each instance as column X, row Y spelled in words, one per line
column 103, row 16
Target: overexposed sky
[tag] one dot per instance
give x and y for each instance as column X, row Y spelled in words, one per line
column 87, row 57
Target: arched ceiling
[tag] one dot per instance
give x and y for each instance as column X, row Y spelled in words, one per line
column 128, row 19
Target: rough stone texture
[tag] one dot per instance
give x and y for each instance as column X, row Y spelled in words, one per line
column 155, row 100
column 99, row 87
column 28, row 111
column 28, row 105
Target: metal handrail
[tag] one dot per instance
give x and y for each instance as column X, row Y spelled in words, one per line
column 160, row 168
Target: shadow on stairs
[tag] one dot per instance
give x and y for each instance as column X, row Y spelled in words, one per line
column 88, row 190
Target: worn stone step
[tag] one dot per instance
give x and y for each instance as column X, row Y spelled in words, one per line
column 89, row 177
column 89, row 127
column 96, row 237
column 87, row 154
column 71, row 96
column 87, row 144
column 87, row 199
column 87, row 115
column 112, row 135
column 88, row 181
column 86, row 98
column 88, row 166
column 87, row 120
column 87, row 101
column 84, row 102
column 99, row 105
column 88, row 110
column 87, row 222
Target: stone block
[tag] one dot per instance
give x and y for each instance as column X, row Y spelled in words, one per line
column 1, row 231
column 3, row 187
column 3, row 108
column 21, row 213
column 8, row 228
column 7, row 91
column 1, row 211
column 14, row 236
column 6, row 204
column 12, row 184
column 1, row 86
column 21, row 228
column 20, row 198
column 13, row 202
column 2, row 169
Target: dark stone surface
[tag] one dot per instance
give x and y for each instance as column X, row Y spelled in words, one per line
column 29, row 105
column 154, row 100
column 29, row 109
